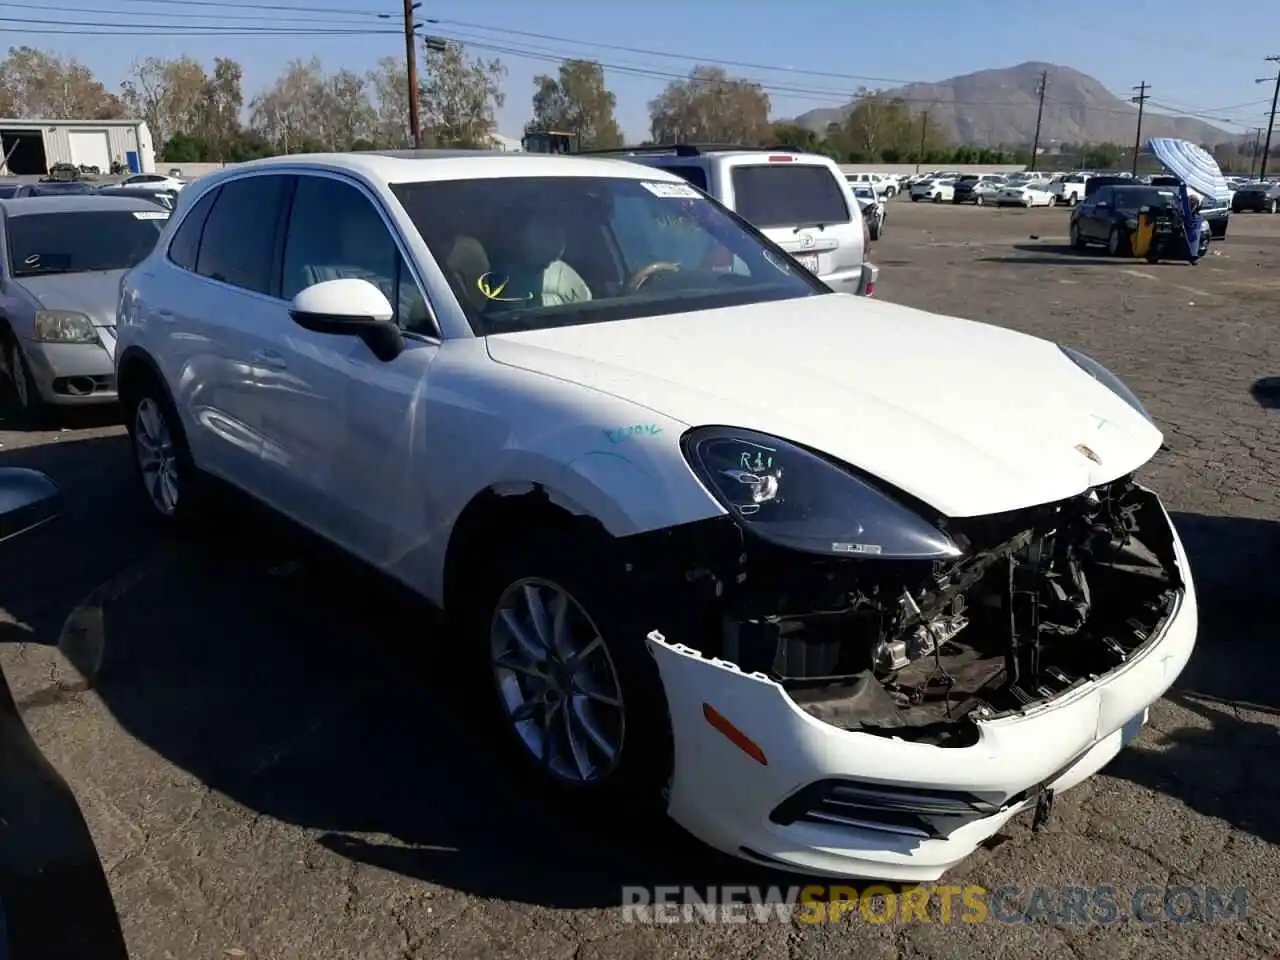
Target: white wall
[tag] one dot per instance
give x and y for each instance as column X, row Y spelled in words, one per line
column 910, row 168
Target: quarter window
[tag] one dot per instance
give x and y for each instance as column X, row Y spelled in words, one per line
column 184, row 248
column 334, row 233
column 239, row 242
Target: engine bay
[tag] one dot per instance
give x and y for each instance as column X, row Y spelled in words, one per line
column 1042, row 601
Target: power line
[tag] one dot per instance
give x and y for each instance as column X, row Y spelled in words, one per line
column 1141, row 101
column 350, row 21
column 193, row 29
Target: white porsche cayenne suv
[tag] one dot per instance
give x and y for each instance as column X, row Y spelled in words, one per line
column 841, row 586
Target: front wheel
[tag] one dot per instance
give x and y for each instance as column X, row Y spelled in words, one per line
column 979, row 201
column 25, row 392
column 937, row 198
column 1274, row 206
column 1077, row 241
column 575, row 695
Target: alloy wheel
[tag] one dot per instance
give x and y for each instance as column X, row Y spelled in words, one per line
column 557, row 682
column 157, row 456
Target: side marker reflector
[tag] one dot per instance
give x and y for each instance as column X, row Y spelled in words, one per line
column 733, row 734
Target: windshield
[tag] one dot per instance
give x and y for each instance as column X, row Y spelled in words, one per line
column 788, row 195
column 82, row 241
column 525, row 253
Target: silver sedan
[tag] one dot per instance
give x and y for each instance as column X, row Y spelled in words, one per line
column 61, row 261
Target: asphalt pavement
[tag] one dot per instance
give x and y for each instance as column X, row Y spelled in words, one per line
column 275, row 763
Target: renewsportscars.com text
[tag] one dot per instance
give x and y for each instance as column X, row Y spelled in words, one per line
column 934, row 904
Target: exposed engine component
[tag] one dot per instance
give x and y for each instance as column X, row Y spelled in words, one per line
column 1041, row 600
column 922, row 640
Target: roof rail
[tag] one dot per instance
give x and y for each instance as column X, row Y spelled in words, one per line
column 688, row 149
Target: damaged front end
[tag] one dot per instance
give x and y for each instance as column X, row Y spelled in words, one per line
column 919, row 637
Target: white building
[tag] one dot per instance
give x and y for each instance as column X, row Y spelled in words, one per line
column 33, row 146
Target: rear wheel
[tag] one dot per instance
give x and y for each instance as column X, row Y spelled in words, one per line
column 979, row 200
column 1117, row 243
column 1077, row 241
column 1274, row 206
column 166, row 473
column 937, row 198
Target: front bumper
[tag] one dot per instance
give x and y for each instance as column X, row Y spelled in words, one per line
column 74, row 374
column 734, row 802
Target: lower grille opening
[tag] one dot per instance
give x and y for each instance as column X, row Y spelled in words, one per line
column 911, row 812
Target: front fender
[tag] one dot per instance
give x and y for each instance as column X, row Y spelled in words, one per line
column 630, row 477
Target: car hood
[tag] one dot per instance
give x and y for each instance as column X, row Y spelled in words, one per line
column 970, row 418
column 93, row 294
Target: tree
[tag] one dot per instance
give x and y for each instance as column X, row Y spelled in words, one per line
column 34, row 83
column 577, row 101
column 220, row 108
column 460, row 98
column 875, row 124
column 389, row 85
column 167, row 94
column 710, row 107
column 308, row 109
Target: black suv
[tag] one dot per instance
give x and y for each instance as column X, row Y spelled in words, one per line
column 964, row 187
column 1257, row 197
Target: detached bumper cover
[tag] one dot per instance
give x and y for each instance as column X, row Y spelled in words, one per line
column 838, row 803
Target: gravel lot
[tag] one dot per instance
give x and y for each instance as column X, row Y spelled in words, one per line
column 274, row 763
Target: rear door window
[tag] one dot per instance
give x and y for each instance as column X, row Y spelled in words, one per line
column 239, row 241
column 788, row 195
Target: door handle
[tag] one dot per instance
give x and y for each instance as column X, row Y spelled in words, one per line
column 269, row 358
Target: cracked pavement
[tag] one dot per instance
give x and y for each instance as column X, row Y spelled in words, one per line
column 275, row 762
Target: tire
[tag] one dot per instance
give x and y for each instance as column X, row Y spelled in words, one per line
column 1077, row 241
column 979, row 201
column 874, row 231
column 22, row 385
column 1117, row 243
column 171, row 484
column 937, row 198
column 546, row 561
column 1274, row 206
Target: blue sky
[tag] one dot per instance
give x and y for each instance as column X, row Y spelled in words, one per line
column 809, row 54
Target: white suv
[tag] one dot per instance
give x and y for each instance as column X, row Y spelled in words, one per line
column 800, row 201
column 680, row 501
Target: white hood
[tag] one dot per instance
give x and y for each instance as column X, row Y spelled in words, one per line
column 970, row 418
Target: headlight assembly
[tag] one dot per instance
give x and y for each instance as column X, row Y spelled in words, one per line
column 796, row 499
column 1105, row 377
column 63, row 326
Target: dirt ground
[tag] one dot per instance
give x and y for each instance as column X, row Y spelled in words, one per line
column 274, row 766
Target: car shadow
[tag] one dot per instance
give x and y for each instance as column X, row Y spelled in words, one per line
column 1266, row 391
column 1227, row 695
column 308, row 689
column 1056, row 255
column 14, row 418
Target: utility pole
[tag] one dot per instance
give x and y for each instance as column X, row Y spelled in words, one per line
column 1257, row 145
column 924, row 128
column 1141, row 101
column 1266, row 147
column 1035, row 143
column 411, row 61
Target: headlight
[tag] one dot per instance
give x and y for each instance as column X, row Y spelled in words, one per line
column 793, row 498
column 62, row 326
column 1105, row 377
column 1131, row 224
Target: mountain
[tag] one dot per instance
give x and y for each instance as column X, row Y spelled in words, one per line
column 994, row 107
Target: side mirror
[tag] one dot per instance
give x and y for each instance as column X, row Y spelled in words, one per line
column 350, row 308
column 28, row 499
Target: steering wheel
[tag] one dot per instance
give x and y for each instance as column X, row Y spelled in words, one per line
column 645, row 273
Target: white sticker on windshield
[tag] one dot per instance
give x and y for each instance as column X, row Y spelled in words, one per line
column 671, row 191
column 151, row 215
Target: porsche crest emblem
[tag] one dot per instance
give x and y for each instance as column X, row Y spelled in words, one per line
column 1086, row 452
